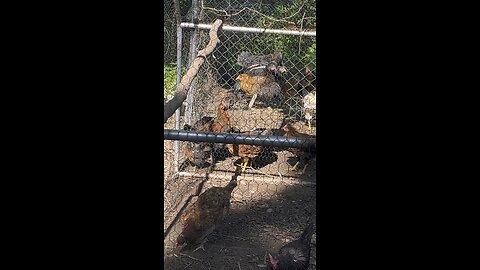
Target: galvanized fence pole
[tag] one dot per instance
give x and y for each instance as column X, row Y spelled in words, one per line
column 177, row 112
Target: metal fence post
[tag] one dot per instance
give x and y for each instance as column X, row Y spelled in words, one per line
column 177, row 112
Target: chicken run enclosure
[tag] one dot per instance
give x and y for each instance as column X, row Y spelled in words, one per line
column 249, row 116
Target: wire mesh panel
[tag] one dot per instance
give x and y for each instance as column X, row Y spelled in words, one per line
column 254, row 84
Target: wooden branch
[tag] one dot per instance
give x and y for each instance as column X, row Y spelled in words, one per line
column 184, row 85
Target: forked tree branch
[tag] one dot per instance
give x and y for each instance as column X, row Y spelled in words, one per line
column 184, row 85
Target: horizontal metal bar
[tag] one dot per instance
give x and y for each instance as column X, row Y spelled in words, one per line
column 235, row 138
column 250, row 29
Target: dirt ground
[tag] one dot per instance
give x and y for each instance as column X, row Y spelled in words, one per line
column 270, row 206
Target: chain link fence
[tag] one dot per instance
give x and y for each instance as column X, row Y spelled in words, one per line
column 254, row 83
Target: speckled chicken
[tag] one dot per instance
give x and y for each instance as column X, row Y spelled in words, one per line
column 310, row 108
column 303, row 155
column 203, row 216
column 199, row 153
column 271, row 62
column 294, row 255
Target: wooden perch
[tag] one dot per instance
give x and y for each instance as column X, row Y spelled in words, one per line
column 184, row 85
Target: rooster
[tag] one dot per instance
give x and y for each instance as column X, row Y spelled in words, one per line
column 303, row 155
column 203, row 216
column 294, row 255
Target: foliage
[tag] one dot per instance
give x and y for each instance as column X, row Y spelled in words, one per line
column 169, row 78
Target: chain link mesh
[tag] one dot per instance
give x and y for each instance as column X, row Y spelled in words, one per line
column 272, row 203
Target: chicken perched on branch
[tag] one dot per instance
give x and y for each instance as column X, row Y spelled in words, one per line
column 198, row 153
column 245, row 151
column 203, row 216
column 294, row 255
column 264, row 87
column 303, row 155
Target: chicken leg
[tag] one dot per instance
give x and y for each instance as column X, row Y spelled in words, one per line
column 250, row 105
column 201, row 245
column 243, row 164
column 304, row 168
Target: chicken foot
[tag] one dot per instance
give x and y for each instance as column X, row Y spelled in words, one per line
column 243, row 164
column 294, row 167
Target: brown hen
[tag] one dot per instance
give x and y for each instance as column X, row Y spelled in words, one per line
column 221, row 123
column 203, row 216
column 222, row 119
column 302, row 154
column 263, row 86
column 245, row 151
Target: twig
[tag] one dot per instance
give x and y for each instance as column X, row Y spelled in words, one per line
column 301, row 28
column 239, row 266
column 234, row 237
column 193, row 258
column 225, row 13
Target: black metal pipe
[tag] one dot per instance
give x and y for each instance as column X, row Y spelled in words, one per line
column 235, row 138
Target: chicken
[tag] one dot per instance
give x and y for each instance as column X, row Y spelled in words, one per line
column 245, row 151
column 247, row 61
column 310, row 107
column 262, row 65
column 303, row 155
column 203, row 216
column 263, row 86
column 294, row 255
column 222, row 119
column 294, row 86
column 198, row 153
column 308, row 83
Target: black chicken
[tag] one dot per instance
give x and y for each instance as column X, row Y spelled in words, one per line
column 261, row 65
column 198, row 153
column 294, row 255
